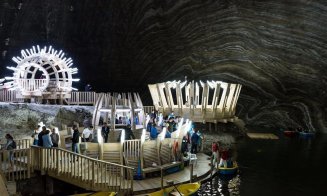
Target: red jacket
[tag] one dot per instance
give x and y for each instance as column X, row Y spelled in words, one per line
column 224, row 154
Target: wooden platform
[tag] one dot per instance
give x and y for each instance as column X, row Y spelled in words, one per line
column 202, row 170
column 262, row 136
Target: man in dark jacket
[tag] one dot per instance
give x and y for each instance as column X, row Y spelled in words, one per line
column 105, row 132
column 75, row 139
column 195, row 140
column 40, row 140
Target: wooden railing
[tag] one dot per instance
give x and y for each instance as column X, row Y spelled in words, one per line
column 14, row 164
column 32, row 84
column 20, row 143
column 132, row 149
column 80, row 98
column 82, row 171
column 148, row 109
column 9, row 96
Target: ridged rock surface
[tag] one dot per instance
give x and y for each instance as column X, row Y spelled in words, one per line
column 276, row 48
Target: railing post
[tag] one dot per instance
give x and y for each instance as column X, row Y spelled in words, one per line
column 191, row 172
column 57, row 161
column 29, row 158
column 132, row 179
column 93, row 175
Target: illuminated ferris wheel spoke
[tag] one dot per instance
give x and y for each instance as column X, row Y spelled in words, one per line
column 40, row 71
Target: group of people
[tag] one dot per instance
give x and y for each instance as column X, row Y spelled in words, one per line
column 192, row 141
column 155, row 123
column 222, row 155
column 43, row 138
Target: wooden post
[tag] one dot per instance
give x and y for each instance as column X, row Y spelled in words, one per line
column 212, row 166
column 161, row 173
column 191, row 172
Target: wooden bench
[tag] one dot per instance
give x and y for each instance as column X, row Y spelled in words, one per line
column 149, row 157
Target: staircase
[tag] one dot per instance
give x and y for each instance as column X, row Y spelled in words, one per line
column 76, row 169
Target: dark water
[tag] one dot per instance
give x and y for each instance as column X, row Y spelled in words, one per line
column 287, row 166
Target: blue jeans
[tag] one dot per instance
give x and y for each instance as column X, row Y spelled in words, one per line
column 35, row 142
column 74, row 147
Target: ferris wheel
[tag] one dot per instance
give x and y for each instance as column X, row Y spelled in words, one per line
column 42, row 71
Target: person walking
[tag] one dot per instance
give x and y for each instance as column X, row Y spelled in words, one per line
column 105, row 132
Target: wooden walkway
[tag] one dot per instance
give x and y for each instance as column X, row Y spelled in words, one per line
column 262, row 136
column 201, row 169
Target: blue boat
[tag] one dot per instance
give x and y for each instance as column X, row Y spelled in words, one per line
column 307, row 134
column 228, row 170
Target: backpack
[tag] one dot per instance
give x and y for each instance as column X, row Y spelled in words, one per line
column 14, row 145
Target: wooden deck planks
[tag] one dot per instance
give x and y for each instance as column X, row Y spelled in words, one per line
column 262, row 136
column 202, row 169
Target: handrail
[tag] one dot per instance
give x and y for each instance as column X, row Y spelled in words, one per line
column 15, row 164
column 81, row 170
column 83, row 156
column 20, row 143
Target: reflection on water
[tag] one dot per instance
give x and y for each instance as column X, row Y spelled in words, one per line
column 287, row 166
column 221, row 185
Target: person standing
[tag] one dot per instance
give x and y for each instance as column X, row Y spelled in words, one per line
column 215, row 153
column 36, row 135
column 40, row 140
column 54, row 138
column 105, row 132
column 75, row 139
column 10, row 146
column 47, row 143
column 195, row 140
column 87, row 134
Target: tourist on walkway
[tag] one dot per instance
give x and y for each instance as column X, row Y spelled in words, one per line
column 10, row 146
column 75, row 139
column 215, row 153
column 105, row 132
column 87, row 134
column 40, row 140
column 54, row 138
column 171, row 124
column 195, row 140
column 153, row 131
column 88, row 87
column 47, row 143
column 35, row 135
